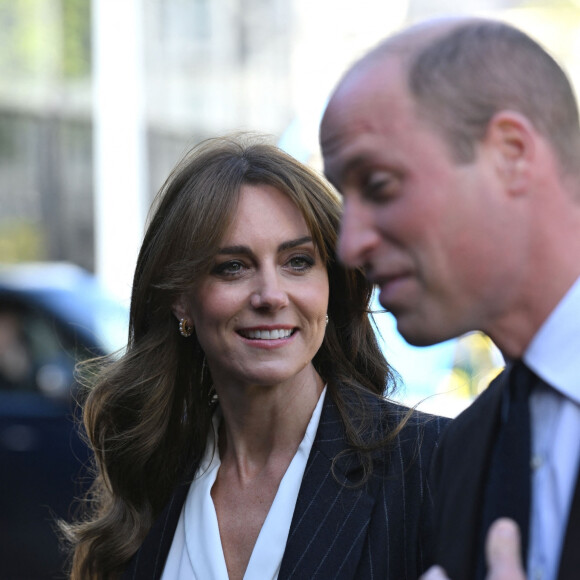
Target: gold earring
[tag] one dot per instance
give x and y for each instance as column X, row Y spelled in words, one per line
column 185, row 329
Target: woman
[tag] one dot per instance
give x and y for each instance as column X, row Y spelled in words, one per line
column 244, row 433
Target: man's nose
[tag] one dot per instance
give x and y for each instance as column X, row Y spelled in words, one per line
column 357, row 236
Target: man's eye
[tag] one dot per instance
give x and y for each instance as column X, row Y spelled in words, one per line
column 380, row 187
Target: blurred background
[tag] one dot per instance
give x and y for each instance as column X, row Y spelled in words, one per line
column 98, row 101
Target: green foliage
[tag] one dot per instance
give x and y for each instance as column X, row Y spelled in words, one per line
column 77, row 38
column 45, row 38
column 20, row 241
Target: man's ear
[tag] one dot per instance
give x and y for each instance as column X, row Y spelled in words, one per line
column 511, row 138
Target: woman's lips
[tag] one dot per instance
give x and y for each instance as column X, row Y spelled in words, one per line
column 266, row 334
column 268, row 338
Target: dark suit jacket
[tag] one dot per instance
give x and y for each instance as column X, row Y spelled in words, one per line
column 340, row 531
column 458, row 478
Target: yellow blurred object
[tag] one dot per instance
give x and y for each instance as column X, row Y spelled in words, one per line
column 20, row 242
column 476, row 362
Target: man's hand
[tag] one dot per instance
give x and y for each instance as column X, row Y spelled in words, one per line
column 502, row 550
column 434, row 573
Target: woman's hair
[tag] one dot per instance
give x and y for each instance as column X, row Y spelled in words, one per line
column 148, row 413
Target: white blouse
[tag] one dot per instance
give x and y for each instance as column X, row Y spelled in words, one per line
column 196, row 552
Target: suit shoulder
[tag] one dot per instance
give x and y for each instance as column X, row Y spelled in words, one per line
column 482, row 406
column 470, row 432
column 417, row 433
column 415, row 421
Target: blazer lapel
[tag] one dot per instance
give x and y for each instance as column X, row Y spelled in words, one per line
column 331, row 517
column 149, row 561
column 460, row 478
column 328, row 526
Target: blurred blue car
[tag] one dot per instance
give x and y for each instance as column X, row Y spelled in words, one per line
column 51, row 316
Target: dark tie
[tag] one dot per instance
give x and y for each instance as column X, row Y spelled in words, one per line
column 507, row 492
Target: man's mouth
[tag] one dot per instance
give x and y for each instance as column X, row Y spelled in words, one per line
column 386, row 279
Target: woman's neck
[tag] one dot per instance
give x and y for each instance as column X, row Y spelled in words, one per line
column 264, row 425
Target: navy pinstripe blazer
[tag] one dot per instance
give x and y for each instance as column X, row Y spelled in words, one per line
column 339, row 531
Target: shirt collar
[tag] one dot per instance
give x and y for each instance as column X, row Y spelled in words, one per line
column 554, row 351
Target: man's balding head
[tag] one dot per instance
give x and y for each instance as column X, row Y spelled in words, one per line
column 460, row 72
column 456, row 146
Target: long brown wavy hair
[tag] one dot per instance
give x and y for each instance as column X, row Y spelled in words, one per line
column 147, row 414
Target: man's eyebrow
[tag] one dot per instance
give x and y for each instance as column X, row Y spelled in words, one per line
column 245, row 250
column 353, row 164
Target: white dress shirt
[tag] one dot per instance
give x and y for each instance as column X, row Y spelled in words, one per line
column 196, row 551
column 554, row 355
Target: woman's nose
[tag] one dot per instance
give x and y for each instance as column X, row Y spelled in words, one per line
column 270, row 292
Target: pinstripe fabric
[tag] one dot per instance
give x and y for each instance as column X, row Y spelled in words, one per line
column 340, row 530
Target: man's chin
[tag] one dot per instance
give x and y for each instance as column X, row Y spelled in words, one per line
column 417, row 333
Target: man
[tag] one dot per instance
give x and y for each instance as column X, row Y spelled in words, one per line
column 502, row 554
column 456, row 146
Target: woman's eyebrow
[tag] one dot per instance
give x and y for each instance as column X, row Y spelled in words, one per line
column 235, row 250
column 293, row 243
column 245, row 250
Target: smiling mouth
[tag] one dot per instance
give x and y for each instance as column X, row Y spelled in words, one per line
column 276, row 334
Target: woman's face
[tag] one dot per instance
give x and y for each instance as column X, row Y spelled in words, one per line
column 260, row 313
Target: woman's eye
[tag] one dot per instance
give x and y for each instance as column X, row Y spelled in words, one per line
column 230, row 268
column 301, row 262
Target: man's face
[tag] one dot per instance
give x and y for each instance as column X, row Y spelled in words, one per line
column 429, row 232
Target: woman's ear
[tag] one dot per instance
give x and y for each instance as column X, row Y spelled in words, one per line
column 511, row 138
column 180, row 308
